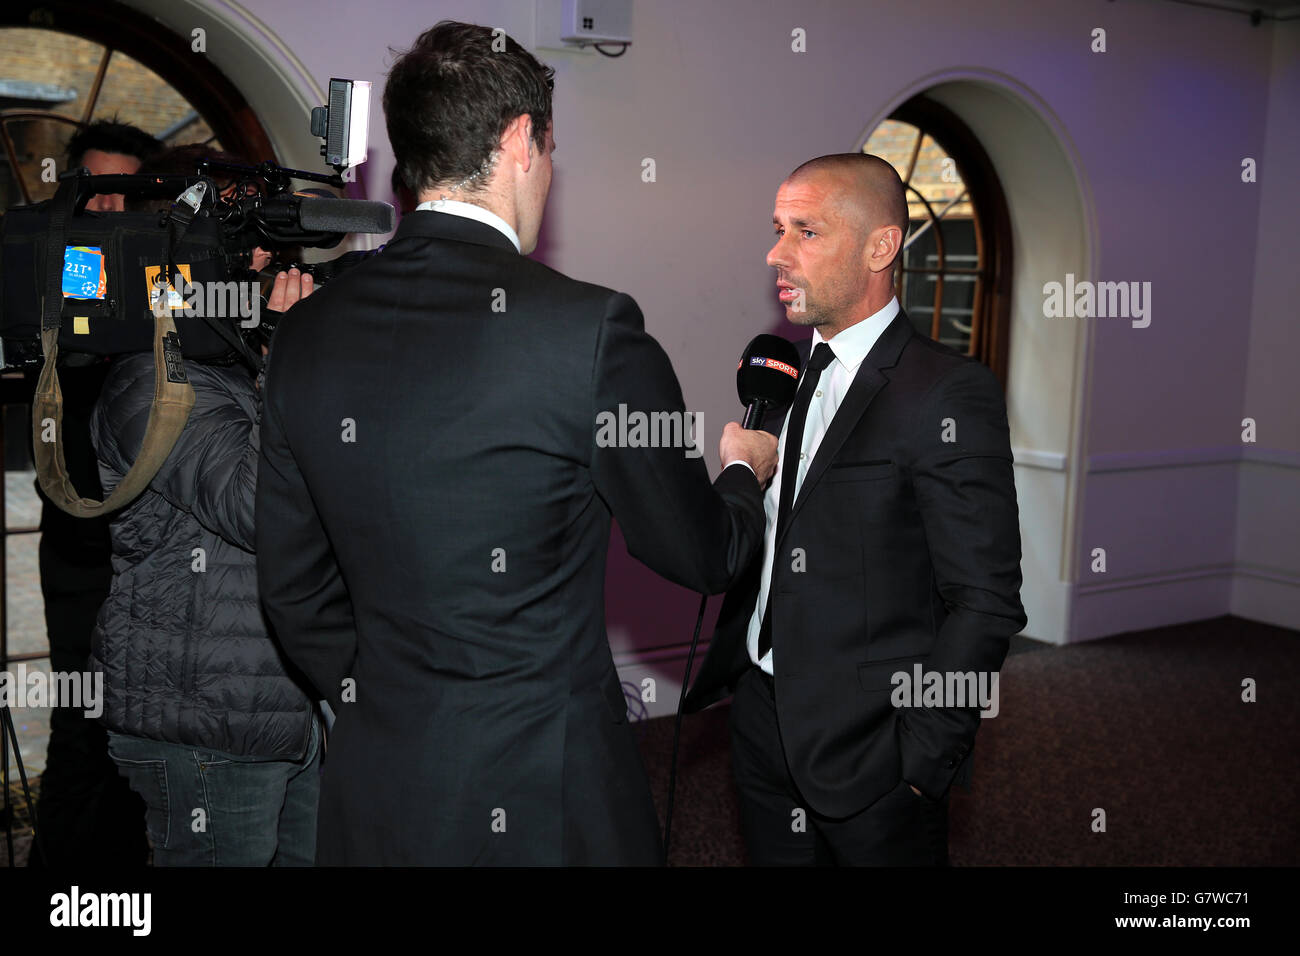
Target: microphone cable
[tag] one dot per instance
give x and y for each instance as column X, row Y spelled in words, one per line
column 677, row 727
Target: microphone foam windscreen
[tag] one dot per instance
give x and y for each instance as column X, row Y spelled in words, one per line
column 346, row 215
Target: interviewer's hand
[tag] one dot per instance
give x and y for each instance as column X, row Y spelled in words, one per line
column 289, row 288
column 754, row 447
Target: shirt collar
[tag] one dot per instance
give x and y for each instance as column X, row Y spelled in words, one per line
column 470, row 211
column 852, row 344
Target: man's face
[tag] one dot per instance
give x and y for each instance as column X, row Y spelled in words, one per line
column 820, row 253
column 537, row 185
column 101, row 163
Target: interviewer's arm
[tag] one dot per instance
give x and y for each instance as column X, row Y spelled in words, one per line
column 697, row 535
column 298, row 577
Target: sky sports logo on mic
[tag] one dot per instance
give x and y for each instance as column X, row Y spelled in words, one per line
column 762, row 362
column 638, row 429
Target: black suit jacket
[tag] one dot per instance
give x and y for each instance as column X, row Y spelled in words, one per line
column 433, row 515
column 911, row 553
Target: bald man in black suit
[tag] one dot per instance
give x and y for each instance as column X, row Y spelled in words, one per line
column 892, row 541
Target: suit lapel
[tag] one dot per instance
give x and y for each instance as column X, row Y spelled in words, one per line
column 867, row 383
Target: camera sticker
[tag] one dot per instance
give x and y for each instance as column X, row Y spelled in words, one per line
column 153, row 279
column 84, row 275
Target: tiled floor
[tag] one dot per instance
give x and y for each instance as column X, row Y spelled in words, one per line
column 25, row 610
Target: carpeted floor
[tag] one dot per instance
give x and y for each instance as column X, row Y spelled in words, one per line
column 1148, row 726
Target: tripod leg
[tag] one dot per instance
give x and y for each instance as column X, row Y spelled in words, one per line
column 7, row 812
column 11, row 733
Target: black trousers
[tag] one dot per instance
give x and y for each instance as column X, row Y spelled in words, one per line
column 899, row 829
column 86, row 811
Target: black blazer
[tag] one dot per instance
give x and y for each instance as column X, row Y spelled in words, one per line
column 433, row 515
column 911, row 552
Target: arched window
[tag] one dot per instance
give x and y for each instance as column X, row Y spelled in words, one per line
column 955, row 276
column 65, row 64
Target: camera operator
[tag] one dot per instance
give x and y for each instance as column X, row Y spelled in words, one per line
column 88, row 814
column 205, row 719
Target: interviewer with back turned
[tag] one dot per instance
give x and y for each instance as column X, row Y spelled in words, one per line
column 434, row 508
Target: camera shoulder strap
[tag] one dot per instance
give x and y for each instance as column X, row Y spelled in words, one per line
column 172, row 401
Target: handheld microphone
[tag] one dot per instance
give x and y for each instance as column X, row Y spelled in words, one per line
column 767, row 377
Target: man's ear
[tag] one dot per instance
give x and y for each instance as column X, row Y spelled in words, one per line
column 884, row 248
column 517, row 141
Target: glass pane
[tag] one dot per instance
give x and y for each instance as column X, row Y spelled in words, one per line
column 44, row 70
column 958, row 290
column 937, row 178
column 192, row 129
column 958, row 310
column 921, row 248
column 893, row 141
column 35, row 140
column 135, row 94
column 918, row 300
column 955, row 328
column 935, row 187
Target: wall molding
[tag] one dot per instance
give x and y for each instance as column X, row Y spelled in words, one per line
column 1192, row 458
column 1044, row 460
column 664, row 652
column 1258, row 571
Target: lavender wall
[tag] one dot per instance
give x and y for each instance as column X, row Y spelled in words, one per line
column 1123, row 165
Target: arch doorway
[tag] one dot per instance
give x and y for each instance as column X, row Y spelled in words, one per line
column 957, row 258
column 1048, row 232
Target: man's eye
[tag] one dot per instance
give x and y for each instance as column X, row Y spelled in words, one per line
column 808, row 232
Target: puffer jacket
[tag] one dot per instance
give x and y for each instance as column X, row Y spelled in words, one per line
column 181, row 640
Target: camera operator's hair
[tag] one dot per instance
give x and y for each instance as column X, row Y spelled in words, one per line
column 450, row 97
column 110, row 136
column 181, row 161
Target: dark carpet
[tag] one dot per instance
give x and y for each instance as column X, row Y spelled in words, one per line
column 1148, row 726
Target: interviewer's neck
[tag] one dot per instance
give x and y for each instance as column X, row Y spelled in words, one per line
column 493, row 200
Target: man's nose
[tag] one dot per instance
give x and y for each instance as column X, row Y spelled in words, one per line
column 107, row 202
column 776, row 255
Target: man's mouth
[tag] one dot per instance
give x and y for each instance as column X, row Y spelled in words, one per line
column 787, row 292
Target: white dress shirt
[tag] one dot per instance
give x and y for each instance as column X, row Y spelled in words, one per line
column 468, row 210
column 850, row 347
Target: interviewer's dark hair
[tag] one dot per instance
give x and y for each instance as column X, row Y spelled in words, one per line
column 450, row 97
column 110, row 136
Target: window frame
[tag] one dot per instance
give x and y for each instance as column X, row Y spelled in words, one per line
column 991, row 305
column 193, row 76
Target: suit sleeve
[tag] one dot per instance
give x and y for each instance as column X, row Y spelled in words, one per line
column 695, row 535
column 299, row 579
column 966, row 495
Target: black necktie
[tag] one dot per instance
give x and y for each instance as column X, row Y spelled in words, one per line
column 821, row 357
